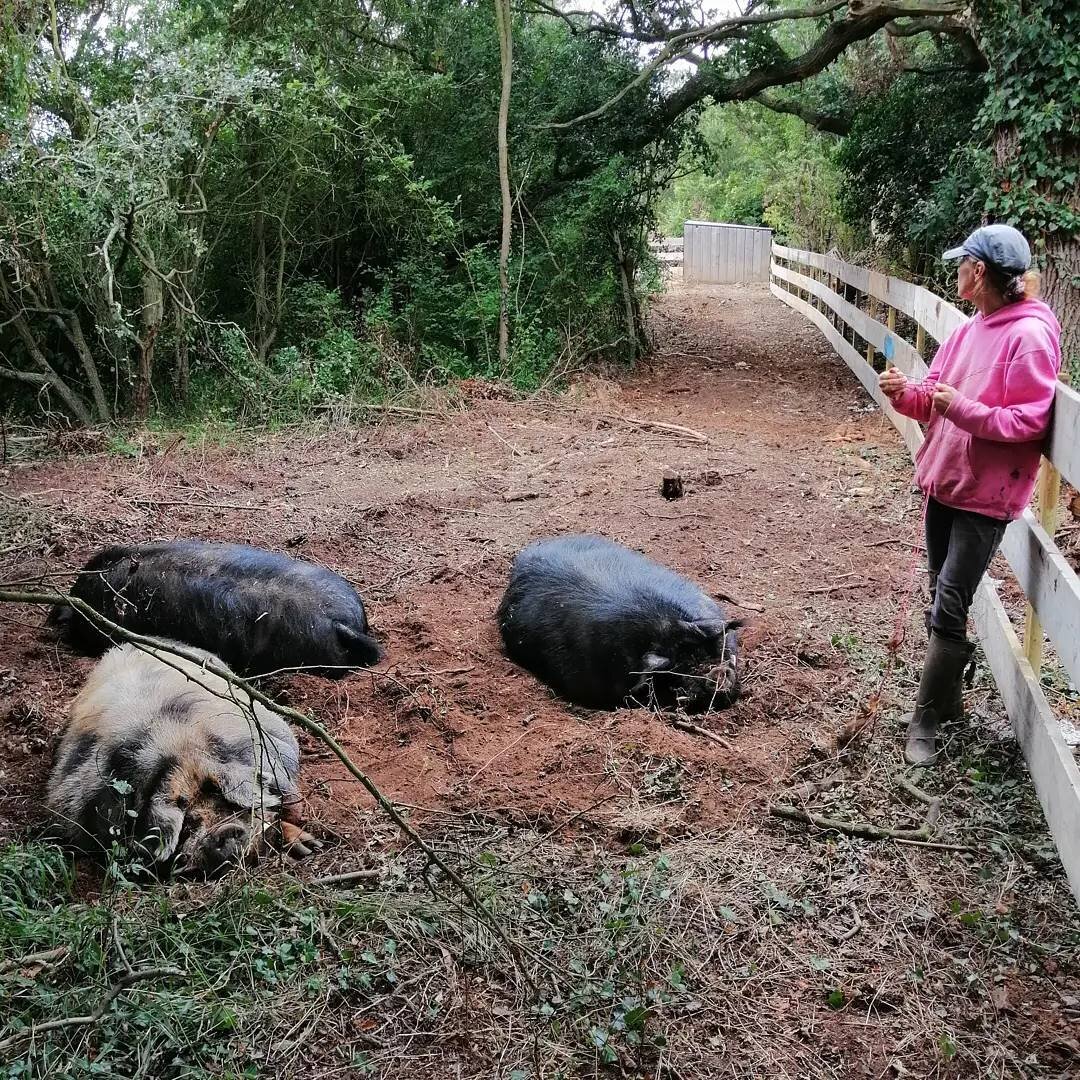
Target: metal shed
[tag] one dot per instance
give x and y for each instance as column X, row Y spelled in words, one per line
column 715, row 251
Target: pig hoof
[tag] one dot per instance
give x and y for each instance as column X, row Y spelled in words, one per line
column 296, row 842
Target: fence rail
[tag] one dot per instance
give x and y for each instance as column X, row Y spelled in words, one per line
column 812, row 283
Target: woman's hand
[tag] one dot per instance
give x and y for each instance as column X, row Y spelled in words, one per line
column 943, row 397
column 892, row 382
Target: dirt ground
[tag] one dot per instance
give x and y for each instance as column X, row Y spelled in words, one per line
column 798, row 503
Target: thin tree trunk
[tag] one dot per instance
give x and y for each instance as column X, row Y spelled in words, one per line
column 86, row 358
column 48, row 375
column 628, row 297
column 54, row 382
column 506, row 58
column 269, row 290
column 152, row 312
column 262, row 314
column 183, row 367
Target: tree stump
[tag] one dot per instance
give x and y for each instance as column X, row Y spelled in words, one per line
column 671, row 487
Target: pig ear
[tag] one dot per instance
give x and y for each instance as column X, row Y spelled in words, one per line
column 653, row 662
column 362, row 647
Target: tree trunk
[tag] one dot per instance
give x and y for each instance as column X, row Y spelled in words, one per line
column 183, row 368
column 152, row 312
column 626, row 281
column 269, row 294
column 262, row 315
column 1060, row 276
column 75, row 335
column 506, row 57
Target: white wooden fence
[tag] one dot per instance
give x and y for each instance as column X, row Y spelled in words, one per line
column 811, row 283
column 668, row 250
column 717, row 252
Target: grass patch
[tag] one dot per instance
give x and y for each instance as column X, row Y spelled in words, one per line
column 719, row 955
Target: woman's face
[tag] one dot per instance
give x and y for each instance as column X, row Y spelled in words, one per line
column 969, row 275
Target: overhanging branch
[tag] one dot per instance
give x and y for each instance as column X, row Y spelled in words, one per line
column 863, row 19
column 835, row 123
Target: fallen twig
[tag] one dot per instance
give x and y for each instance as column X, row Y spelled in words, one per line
column 894, row 540
column 347, row 878
column 934, row 846
column 632, row 421
column 509, row 746
column 815, row 787
column 932, row 802
column 506, row 442
column 916, row 792
column 658, row 425
column 856, row 926
column 861, row 829
column 705, row 733
column 436, row 671
column 121, row 984
column 120, row 945
column 672, row 517
column 836, row 588
column 689, row 355
column 48, row 957
column 728, row 599
column 560, row 826
column 200, row 505
column 401, row 410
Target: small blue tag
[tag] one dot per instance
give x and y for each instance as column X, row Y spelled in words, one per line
column 889, row 348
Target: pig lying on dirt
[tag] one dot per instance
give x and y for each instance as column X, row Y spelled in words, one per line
column 604, row 626
column 258, row 611
column 190, row 780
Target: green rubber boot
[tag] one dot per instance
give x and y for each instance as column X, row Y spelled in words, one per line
column 955, row 709
column 940, row 697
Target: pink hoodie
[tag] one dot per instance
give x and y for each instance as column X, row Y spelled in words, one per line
column 983, row 454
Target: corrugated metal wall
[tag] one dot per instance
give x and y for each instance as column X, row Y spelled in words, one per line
column 713, row 251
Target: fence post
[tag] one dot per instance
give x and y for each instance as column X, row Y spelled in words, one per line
column 1047, row 507
column 871, row 310
column 920, row 339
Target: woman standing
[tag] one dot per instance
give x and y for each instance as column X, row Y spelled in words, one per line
column 987, row 400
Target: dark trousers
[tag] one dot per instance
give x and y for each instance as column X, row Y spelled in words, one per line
column 959, row 547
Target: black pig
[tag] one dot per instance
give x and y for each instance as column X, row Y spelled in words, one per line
column 258, row 611
column 604, row 626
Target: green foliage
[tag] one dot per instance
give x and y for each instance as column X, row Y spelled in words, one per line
column 240, row 970
column 1032, row 113
column 750, row 166
column 1030, row 142
column 243, row 159
column 902, row 181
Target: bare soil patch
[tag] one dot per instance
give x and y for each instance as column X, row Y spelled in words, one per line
column 799, row 502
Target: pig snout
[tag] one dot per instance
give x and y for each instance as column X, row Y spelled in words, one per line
column 724, row 682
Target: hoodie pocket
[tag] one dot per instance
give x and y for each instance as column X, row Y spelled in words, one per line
column 945, row 469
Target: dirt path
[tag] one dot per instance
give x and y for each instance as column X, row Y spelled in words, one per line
column 799, row 502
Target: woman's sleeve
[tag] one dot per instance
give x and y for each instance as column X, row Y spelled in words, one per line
column 917, row 400
column 1024, row 415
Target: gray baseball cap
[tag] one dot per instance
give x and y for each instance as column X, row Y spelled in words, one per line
column 1001, row 245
